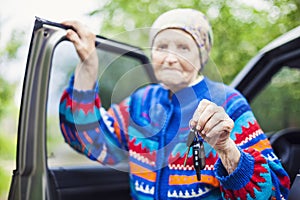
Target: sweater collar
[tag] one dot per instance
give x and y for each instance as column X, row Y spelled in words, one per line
column 191, row 93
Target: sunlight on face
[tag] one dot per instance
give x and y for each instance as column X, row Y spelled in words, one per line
column 175, row 58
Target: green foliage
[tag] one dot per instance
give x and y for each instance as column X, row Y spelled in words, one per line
column 6, row 95
column 7, row 90
column 10, row 50
column 241, row 28
column 7, row 147
column 7, row 154
column 4, row 183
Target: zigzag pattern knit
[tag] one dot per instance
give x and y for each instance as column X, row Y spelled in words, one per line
column 150, row 129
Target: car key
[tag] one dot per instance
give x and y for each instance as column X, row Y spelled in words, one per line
column 199, row 157
column 189, row 143
column 202, row 155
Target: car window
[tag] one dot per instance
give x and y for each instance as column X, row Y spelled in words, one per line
column 278, row 105
column 119, row 76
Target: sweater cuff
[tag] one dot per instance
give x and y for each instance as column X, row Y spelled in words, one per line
column 240, row 176
column 82, row 95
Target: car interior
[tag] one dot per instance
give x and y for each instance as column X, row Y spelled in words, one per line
column 286, row 145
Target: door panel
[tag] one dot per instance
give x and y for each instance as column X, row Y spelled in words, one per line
column 90, row 183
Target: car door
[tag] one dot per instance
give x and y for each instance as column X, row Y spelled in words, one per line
column 271, row 83
column 46, row 167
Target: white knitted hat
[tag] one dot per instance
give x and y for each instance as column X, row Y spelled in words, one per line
column 193, row 22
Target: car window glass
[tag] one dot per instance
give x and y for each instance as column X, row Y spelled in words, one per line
column 119, row 76
column 277, row 105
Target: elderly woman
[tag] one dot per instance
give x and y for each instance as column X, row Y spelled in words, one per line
column 151, row 126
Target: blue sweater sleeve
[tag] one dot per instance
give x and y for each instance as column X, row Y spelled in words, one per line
column 89, row 128
column 259, row 174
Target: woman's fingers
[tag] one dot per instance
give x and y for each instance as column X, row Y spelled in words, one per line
column 82, row 38
column 197, row 114
column 212, row 122
column 73, row 37
column 77, row 26
column 203, row 114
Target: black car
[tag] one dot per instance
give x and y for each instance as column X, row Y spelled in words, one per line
column 47, row 168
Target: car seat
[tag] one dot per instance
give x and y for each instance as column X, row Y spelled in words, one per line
column 286, row 145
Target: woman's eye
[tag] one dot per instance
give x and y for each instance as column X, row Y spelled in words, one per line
column 183, row 47
column 162, row 47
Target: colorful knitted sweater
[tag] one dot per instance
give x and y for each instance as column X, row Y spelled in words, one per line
column 150, row 129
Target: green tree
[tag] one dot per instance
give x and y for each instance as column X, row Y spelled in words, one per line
column 7, row 54
column 6, row 94
column 7, row 90
column 240, row 28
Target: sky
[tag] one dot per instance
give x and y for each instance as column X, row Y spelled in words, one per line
column 20, row 15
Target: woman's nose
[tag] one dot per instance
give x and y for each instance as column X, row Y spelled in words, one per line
column 171, row 58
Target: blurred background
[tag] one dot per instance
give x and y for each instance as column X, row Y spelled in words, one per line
column 241, row 28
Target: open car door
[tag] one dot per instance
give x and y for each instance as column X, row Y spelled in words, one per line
column 46, row 167
column 271, row 78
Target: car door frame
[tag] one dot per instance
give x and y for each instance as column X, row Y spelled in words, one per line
column 281, row 52
column 32, row 179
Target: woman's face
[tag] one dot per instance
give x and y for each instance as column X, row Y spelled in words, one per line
column 175, row 58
